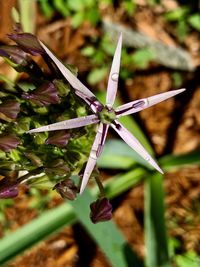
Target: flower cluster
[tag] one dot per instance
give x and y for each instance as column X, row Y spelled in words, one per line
column 49, row 91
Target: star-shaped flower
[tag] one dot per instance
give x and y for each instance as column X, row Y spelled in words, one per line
column 105, row 116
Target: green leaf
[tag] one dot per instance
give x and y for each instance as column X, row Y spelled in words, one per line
column 77, row 19
column 171, row 162
column 142, row 57
column 155, row 231
column 189, row 259
column 177, row 14
column 194, row 21
column 97, row 75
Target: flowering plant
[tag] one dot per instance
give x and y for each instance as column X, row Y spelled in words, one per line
column 50, row 92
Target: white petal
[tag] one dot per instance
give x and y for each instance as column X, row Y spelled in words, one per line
column 68, row 124
column 114, row 75
column 134, row 144
column 144, row 103
column 94, row 154
column 69, row 76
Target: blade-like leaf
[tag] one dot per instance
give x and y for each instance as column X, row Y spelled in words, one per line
column 155, row 231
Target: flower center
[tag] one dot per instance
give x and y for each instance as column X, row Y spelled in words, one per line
column 107, row 115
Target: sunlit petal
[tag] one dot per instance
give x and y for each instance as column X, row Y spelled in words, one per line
column 68, row 124
column 144, row 103
column 69, row 76
column 94, row 154
column 114, row 75
column 134, row 144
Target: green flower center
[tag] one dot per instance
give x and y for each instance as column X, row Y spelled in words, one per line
column 107, row 115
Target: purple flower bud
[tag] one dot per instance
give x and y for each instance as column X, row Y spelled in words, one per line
column 67, row 189
column 10, row 108
column 8, row 142
column 9, row 192
column 28, row 42
column 44, row 95
column 14, row 53
column 101, row 210
column 58, row 138
column 57, row 167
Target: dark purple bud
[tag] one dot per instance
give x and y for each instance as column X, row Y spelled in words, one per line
column 57, row 167
column 10, row 108
column 28, row 42
column 8, row 142
column 14, row 53
column 67, row 189
column 101, row 210
column 44, row 95
column 9, row 192
column 58, row 138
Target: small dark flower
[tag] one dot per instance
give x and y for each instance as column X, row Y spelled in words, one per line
column 9, row 192
column 10, row 108
column 57, row 167
column 14, row 53
column 67, row 189
column 44, row 95
column 8, row 142
column 28, row 42
column 101, row 210
column 58, row 138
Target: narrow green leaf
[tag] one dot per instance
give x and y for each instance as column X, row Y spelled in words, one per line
column 171, row 162
column 155, row 231
column 35, row 231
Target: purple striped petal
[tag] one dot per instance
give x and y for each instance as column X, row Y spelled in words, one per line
column 94, row 153
column 43, row 96
column 28, row 42
column 59, row 139
column 81, row 89
column 134, row 144
column 68, row 124
column 8, row 142
column 144, row 103
column 114, row 75
column 10, row 108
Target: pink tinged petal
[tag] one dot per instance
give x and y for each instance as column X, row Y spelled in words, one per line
column 114, row 75
column 10, row 108
column 68, row 124
column 96, row 147
column 134, row 144
column 144, row 103
column 8, row 142
column 70, row 77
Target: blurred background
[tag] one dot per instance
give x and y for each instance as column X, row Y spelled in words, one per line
column 161, row 52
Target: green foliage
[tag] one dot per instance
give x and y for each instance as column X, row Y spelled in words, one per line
column 194, row 21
